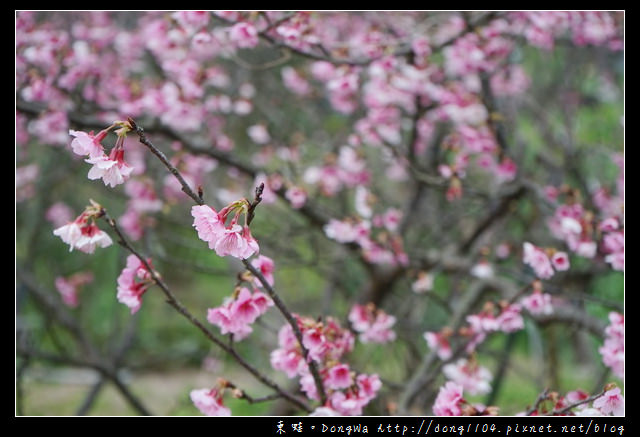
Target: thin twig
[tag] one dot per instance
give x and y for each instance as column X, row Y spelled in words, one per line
column 174, row 171
column 576, row 404
column 294, row 325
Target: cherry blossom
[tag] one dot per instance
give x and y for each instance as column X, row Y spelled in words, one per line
column 236, row 314
column 133, row 282
column 372, row 324
column 69, row 287
column 560, row 261
column 610, row 402
column 112, row 169
column 244, row 35
column 87, row 143
column 423, row 284
column 82, row 233
column 339, row 377
column 231, row 239
column 209, row 402
column 296, row 196
column 612, row 350
column 266, row 267
column 449, row 400
column 538, row 260
column 468, row 374
column 538, row 303
column 439, row 342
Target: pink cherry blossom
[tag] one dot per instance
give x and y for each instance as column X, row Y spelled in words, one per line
column 208, row 224
column 560, row 261
column 339, row 377
column 538, row 303
column 59, row 214
column 209, row 402
column 91, row 237
column 373, row 325
column 346, row 231
column 538, row 260
column 70, row 233
column 448, row 401
column 472, row 377
column 287, row 361
column 69, row 287
column 232, row 242
column 83, row 234
column 133, row 282
column 236, row 314
column 611, row 402
column 259, row 134
column 324, row 411
column 265, row 266
column 296, row 196
column 243, row 35
column 231, row 239
column 112, row 169
column 191, row 20
column 609, row 224
column 295, row 82
column 439, row 343
column 87, row 143
column 368, row 386
column 510, row 319
column 612, row 350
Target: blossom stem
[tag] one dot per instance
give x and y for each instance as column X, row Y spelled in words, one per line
column 294, row 325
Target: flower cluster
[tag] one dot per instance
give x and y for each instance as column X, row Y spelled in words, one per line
column 450, row 402
column 133, row 282
column 613, row 242
column 506, row 319
column 439, row 342
column 69, row 287
column 209, row 401
column 612, row 350
column 226, row 239
column 112, row 168
column 372, row 324
column 543, row 262
column 572, row 224
column 538, row 302
column 470, row 375
column 83, row 233
column 265, row 266
column 326, row 342
column 383, row 248
column 238, row 312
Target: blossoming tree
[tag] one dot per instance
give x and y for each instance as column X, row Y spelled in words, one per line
column 385, row 200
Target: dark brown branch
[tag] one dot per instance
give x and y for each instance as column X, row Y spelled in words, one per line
column 161, row 156
column 540, row 399
column 576, row 404
column 494, row 215
column 294, row 326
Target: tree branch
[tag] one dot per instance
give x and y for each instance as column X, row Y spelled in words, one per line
column 175, row 303
column 294, row 325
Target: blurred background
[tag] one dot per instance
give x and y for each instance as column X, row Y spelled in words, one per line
column 563, row 122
